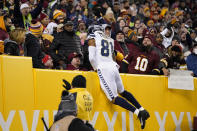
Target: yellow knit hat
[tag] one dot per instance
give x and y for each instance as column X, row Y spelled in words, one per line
column 47, row 37
column 146, row 9
column 57, row 13
column 163, row 12
column 150, row 22
column 178, row 13
column 131, row 34
column 174, row 20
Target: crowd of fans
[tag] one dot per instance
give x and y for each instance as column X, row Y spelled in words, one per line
column 150, row 36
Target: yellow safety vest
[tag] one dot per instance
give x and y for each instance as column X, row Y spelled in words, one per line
column 84, row 102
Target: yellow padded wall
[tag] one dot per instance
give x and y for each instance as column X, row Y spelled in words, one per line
column 153, row 93
column 1, row 87
column 18, row 90
column 29, row 94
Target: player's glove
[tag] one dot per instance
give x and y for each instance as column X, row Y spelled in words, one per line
column 66, row 84
column 119, row 56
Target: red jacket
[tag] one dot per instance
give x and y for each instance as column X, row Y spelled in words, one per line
column 71, row 67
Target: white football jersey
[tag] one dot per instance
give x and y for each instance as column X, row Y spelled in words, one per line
column 104, row 49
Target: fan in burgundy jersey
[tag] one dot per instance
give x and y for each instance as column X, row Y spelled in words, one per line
column 141, row 59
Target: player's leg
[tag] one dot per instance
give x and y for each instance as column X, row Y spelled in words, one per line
column 124, row 104
column 104, row 82
column 108, row 85
column 131, row 99
column 127, row 95
column 142, row 114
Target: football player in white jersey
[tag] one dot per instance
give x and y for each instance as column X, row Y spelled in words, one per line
column 101, row 56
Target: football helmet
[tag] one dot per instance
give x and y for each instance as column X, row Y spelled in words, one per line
column 94, row 28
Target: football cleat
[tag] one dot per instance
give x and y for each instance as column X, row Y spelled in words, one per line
column 143, row 116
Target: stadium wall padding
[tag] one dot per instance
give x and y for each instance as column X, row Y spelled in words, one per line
column 27, row 94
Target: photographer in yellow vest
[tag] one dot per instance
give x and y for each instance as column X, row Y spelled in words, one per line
column 83, row 98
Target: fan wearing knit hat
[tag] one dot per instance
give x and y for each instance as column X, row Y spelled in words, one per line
column 24, row 17
column 143, row 52
column 32, row 44
column 132, row 35
column 147, row 43
column 48, row 62
column 109, row 16
column 176, row 59
column 24, row 9
column 147, row 14
column 44, row 19
column 36, row 28
column 58, row 14
column 58, row 17
column 46, row 42
column 150, row 23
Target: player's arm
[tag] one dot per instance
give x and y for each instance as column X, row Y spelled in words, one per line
column 92, row 52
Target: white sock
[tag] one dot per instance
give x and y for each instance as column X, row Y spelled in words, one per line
column 136, row 112
column 141, row 109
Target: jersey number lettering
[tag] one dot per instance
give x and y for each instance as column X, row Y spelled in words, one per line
column 105, row 47
column 141, row 64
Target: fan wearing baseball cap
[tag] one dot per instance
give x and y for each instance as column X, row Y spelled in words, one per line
column 75, row 62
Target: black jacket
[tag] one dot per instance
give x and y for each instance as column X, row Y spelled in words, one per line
column 64, row 43
column 11, row 48
column 32, row 48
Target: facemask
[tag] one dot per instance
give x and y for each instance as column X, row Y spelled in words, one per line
column 195, row 51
